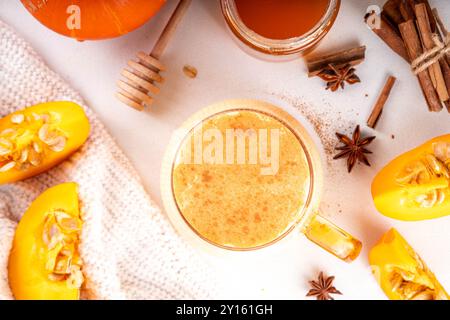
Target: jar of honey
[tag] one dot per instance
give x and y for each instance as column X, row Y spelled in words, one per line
column 280, row 27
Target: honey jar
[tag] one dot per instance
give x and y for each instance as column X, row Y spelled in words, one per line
column 280, row 27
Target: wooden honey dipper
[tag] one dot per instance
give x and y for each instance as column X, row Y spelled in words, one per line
column 139, row 82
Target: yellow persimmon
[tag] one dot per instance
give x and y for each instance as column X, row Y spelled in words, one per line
column 400, row 271
column 35, row 139
column 416, row 185
column 44, row 262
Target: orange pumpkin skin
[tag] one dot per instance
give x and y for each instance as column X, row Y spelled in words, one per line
column 93, row 20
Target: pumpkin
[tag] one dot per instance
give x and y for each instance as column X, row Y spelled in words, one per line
column 93, row 19
column 37, row 138
column 44, row 263
column 416, row 185
column 400, row 271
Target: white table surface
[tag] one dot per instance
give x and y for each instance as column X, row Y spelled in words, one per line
column 225, row 71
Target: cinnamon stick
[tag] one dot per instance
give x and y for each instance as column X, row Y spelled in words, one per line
column 424, row 27
column 439, row 22
column 353, row 56
column 447, row 105
column 442, row 28
column 433, row 22
column 414, row 49
column 388, row 20
column 446, row 71
column 406, row 10
column 442, row 32
column 379, row 105
column 392, row 11
column 390, row 37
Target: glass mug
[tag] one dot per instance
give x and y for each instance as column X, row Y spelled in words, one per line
column 239, row 204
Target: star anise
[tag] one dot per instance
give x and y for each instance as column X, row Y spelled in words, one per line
column 323, row 288
column 337, row 77
column 353, row 148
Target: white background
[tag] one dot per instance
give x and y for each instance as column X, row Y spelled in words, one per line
column 225, row 71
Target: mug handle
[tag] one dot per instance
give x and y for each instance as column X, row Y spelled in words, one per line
column 333, row 239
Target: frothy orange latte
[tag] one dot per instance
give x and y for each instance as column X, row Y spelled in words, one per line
column 247, row 202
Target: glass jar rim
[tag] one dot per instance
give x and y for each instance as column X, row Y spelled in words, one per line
column 274, row 46
column 305, row 213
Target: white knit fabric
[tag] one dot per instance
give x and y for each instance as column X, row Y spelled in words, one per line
column 128, row 247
